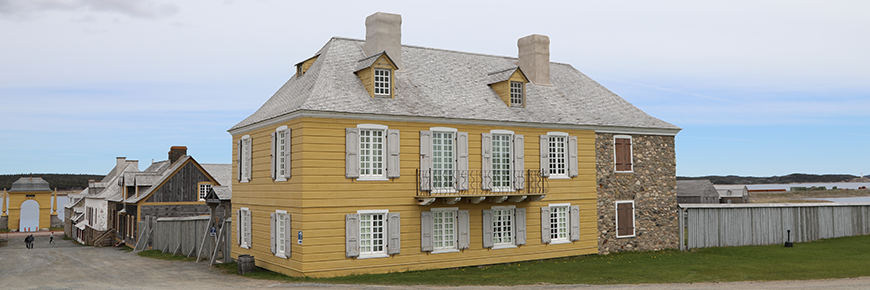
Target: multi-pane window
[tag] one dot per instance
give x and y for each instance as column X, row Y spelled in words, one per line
column 502, row 226
column 371, row 152
column 382, row 82
column 443, row 169
column 281, row 231
column 501, row 161
column 371, row 234
column 516, row 94
column 557, row 158
column 444, row 223
column 203, row 190
column 559, row 223
column 281, row 151
column 245, row 228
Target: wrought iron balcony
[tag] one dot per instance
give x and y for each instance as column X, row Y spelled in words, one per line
column 477, row 185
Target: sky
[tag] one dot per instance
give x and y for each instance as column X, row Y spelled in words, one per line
column 760, row 88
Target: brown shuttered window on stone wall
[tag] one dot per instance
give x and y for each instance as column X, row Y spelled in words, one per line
column 623, row 154
column 624, row 219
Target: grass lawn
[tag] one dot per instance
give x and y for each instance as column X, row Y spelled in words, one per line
column 825, row 259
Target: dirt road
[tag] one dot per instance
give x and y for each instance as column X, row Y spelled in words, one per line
column 66, row 265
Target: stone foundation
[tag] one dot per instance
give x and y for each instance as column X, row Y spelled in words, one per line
column 652, row 187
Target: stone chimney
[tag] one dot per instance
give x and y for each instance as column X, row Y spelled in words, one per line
column 384, row 33
column 534, row 58
column 176, row 152
column 120, row 163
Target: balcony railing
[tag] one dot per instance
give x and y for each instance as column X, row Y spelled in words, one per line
column 435, row 183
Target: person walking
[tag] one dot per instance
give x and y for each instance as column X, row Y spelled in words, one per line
column 51, row 238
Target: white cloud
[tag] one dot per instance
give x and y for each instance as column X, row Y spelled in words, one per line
column 25, row 10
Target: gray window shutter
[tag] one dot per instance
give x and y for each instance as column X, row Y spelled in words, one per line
column 239, row 227
column 273, row 231
column 249, row 150
column 464, row 227
column 287, row 163
column 486, row 161
column 351, row 161
column 574, row 214
column 351, row 235
column 519, row 155
column 545, row 224
column 274, row 155
column 520, row 221
column 425, row 160
column 240, row 160
column 487, row 228
column 462, row 175
column 394, row 232
column 288, row 235
column 393, row 160
column 572, row 156
column 248, row 232
column 427, row 230
column 545, row 155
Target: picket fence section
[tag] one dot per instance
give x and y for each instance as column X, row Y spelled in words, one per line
column 723, row 225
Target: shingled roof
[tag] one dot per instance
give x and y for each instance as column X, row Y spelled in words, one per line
column 454, row 86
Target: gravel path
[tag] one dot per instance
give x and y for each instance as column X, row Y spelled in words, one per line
column 66, row 265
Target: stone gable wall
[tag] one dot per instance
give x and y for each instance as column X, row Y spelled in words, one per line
column 652, row 187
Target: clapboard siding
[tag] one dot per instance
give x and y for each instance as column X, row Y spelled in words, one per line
column 720, row 225
column 182, row 186
column 318, row 196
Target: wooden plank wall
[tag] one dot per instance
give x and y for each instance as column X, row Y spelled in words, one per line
column 741, row 225
column 182, row 186
column 318, row 196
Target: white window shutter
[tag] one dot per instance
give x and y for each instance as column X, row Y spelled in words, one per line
column 288, row 235
column 273, row 232
column 519, row 155
column 574, row 214
column 394, row 232
column 545, row 155
column 520, row 221
column 545, row 224
column 393, row 160
column 351, row 235
column 487, row 228
column 486, row 161
column 462, row 175
column 427, row 231
column 248, row 157
column 572, row 156
column 287, row 163
column 351, row 168
column 248, row 239
column 464, row 227
column 425, row 160
column 274, row 155
column 240, row 160
column 239, row 227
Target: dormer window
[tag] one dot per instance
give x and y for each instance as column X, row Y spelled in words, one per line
column 510, row 86
column 382, row 82
column 376, row 73
column 517, row 94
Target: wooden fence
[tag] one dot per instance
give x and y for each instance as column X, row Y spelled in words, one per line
column 722, row 225
column 185, row 236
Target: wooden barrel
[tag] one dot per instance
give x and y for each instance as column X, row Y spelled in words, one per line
column 246, row 264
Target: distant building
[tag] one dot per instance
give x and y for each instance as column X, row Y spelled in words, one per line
column 696, row 191
column 732, row 193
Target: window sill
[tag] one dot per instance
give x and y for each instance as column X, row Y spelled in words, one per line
column 280, row 179
column 620, row 237
column 373, row 256
column 245, row 247
column 559, row 177
column 552, row 242
column 445, row 251
column 243, row 181
column 373, row 179
column 496, row 247
column 281, row 255
column 624, row 171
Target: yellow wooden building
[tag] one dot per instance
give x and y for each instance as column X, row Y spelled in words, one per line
column 381, row 157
